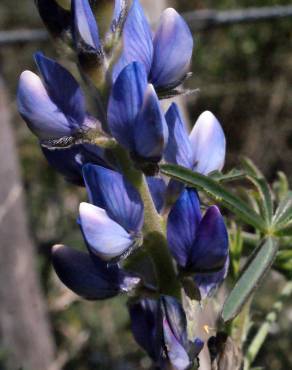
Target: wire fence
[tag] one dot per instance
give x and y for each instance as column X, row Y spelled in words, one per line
column 197, row 20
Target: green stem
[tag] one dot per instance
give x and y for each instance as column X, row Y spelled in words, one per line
column 264, row 330
column 153, row 230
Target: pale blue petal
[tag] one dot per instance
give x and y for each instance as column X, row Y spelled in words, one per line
column 63, row 89
column 150, row 130
column 85, row 24
column 178, row 150
column 105, row 237
column 208, row 144
column 109, row 190
column 182, row 225
column 137, row 40
column 173, row 47
column 42, row 116
column 125, row 102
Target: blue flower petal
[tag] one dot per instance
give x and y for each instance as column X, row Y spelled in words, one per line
column 42, row 116
column 109, row 190
column 137, row 40
column 210, row 249
column 173, row 46
column 176, row 353
column 178, row 150
column 69, row 161
column 125, row 102
column 208, row 143
column 63, row 90
column 209, row 282
column 157, row 189
column 87, row 278
column 143, row 316
column 183, row 222
column 85, row 24
column 150, row 130
column 105, row 238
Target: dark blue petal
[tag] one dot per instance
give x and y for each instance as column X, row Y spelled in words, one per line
column 143, row 316
column 209, row 282
column 208, row 143
column 210, row 249
column 157, row 189
column 104, row 237
column 125, row 103
column 178, row 150
column 137, row 40
column 150, row 130
column 69, row 161
column 56, row 18
column 196, row 347
column 85, row 24
column 63, row 90
column 173, row 46
column 79, row 272
column 42, row 116
column 109, row 190
column 182, row 225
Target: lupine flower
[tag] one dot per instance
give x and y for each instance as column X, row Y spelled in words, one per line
column 112, row 224
column 55, row 107
column 160, row 328
column 90, row 277
column 198, row 244
column 134, row 114
column 166, row 55
column 203, row 150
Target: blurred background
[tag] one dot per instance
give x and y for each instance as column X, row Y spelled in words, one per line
column 244, row 73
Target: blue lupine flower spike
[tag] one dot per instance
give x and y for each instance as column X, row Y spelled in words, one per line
column 166, row 57
column 199, row 244
column 55, row 107
column 90, row 277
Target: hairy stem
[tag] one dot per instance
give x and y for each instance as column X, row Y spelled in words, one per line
column 153, row 229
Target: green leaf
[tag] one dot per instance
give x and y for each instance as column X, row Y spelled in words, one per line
column 216, row 191
column 232, row 175
column 284, row 212
column 265, row 194
column 250, row 279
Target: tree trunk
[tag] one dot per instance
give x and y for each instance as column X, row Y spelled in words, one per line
column 25, row 337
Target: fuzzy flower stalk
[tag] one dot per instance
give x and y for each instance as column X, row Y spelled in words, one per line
column 132, row 215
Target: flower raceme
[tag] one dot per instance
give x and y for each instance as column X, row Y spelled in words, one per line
column 198, row 244
column 166, row 56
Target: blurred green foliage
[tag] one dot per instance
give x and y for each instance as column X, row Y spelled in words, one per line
column 244, row 73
